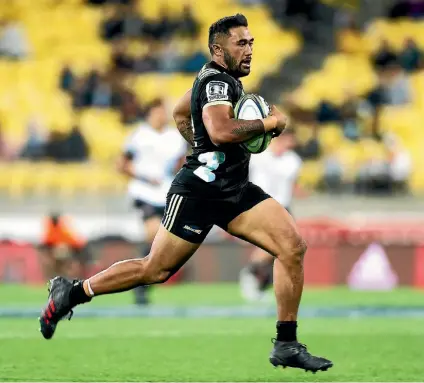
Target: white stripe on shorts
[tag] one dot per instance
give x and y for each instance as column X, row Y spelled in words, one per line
column 168, row 209
column 174, row 215
column 174, row 204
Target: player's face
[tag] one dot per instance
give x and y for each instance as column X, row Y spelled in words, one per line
column 159, row 116
column 238, row 49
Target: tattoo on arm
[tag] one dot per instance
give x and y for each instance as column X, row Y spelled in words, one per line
column 248, row 129
column 186, row 131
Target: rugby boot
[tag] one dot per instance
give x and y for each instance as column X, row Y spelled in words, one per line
column 296, row 355
column 58, row 306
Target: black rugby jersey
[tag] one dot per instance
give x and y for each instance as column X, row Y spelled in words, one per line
column 212, row 171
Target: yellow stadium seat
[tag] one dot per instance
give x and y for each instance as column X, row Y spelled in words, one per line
column 330, row 137
column 67, row 33
column 311, row 174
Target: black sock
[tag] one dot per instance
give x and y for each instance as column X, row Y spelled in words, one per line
column 287, row 331
column 77, row 294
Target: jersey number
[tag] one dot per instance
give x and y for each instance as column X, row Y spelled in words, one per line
column 211, row 160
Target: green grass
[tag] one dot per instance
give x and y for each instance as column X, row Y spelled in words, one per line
column 206, row 350
column 223, row 294
column 214, row 349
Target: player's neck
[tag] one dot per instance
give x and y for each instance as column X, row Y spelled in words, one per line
column 155, row 126
column 224, row 66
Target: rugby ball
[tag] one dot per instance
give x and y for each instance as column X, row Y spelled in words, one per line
column 253, row 107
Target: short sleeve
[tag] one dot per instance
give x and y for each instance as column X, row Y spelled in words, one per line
column 131, row 144
column 218, row 89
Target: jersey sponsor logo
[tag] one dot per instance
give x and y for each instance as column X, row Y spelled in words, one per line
column 197, row 231
column 217, row 91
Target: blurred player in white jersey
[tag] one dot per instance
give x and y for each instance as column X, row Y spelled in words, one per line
column 152, row 154
column 275, row 171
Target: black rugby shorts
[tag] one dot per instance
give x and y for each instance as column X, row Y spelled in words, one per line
column 192, row 218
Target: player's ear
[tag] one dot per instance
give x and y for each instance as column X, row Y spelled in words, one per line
column 217, row 50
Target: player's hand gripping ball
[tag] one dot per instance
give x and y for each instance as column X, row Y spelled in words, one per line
column 253, row 107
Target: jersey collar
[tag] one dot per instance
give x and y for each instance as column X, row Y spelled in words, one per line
column 215, row 65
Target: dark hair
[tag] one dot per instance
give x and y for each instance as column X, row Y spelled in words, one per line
column 55, row 217
column 223, row 26
column 156, row 102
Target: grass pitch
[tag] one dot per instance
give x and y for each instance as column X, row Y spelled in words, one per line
column 211, row 349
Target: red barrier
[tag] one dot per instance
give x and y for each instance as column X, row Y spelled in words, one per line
column 334, row 249
column 19, row 263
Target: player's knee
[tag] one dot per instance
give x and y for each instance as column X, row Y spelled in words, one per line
column 300, row 247
column 155, row 273
column 163, row 275
column 297, row 247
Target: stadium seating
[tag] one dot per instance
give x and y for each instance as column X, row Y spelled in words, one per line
column 353, row 72
column 67, row 33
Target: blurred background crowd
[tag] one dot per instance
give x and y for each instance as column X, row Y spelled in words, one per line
column 351, row 82
column 76, row 77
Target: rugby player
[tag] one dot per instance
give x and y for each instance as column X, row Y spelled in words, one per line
column 213, row 188
column 152, row 155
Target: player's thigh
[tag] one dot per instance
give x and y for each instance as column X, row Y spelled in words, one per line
column 169, row 252
column 269, row 226
column 184, row 226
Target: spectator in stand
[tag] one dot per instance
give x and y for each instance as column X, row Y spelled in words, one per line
column 411, row 57
column 194, row 62
column 120, row 59
column 302, row 14
column 79, row 93
column 76, row 146
column 188, row 26
column 102, row 93
column 67, row 78
column 384, row 56
column 349, row 113
column 396, row 86
column 407, row 8
column 61, row 147
column 55, row 148
column 311, row 149
column 327, row 112
column 133, row 24
column 169, row 58
column 164, row 28
column 13, row 40
column 149, row 62
column 393, row 87
column 129, row 107
column 34, row 146
column 113, row 25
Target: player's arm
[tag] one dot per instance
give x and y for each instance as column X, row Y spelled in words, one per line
column 182, row 117
column 125, row 166
column 224, row 129
column 217, row 98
